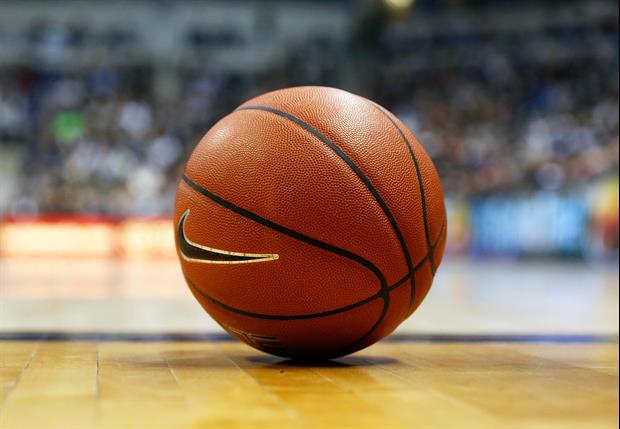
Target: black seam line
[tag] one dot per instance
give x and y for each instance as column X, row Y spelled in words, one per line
column 336, row 149
column 294, row 316
column 284, row 230
column 360, row 175
column 384, row 292
column 427, row 231
column 436, row 243
column 352, row 306
column 358, row 172
column 354, row 345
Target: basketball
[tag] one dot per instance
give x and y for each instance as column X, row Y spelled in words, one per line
column 309, row 222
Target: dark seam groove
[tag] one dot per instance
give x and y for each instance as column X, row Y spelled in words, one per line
column 427, row 231
column 336, row 149
column 294, row 316
column 297, row 235
column 358, row 172
column 352, row 306
column 215, row 198
column 384, row 293
column 346, row 349
column 360, row 175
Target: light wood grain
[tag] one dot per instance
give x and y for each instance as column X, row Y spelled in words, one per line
column 228, row 385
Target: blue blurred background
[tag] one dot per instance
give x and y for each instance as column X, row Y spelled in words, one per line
column 516, row 101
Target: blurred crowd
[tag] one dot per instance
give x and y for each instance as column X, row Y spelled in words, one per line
column 499, row 113
column 506, row 114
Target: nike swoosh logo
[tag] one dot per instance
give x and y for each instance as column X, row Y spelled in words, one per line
column 194, row 252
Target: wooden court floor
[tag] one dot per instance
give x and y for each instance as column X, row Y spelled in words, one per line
column 223, row 384
column 89, row 344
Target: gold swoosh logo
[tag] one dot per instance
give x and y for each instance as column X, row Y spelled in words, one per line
column 194, row 252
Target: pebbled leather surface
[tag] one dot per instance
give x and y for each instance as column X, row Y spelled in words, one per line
column 276, row 169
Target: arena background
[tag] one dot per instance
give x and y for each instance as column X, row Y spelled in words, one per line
column 517, row 103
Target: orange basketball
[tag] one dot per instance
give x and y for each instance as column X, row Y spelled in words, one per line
column 309, row 222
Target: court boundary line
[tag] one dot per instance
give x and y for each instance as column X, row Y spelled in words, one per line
column 56, row 336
